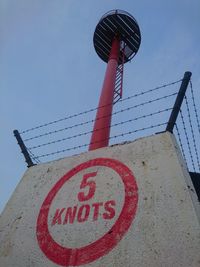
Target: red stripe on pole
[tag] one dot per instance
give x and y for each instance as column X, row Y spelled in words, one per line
column 101, row 129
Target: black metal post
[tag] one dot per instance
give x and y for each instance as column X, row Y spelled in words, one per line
column 178, row 102
column 23, row 149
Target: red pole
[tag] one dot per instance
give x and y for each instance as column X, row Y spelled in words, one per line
column 101, row 129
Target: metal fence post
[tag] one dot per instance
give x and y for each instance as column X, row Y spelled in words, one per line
column 178, row 102
column 23, row 149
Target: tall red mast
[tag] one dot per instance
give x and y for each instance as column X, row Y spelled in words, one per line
column 116, row 40
column 101, row 130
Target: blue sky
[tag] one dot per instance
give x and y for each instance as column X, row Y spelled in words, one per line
column 49, row 68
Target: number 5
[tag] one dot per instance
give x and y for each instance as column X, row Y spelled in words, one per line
column 91, row 184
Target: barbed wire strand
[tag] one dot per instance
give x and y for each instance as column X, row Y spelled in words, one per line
column 93, row 109
column 181, row 144
column 115, row 136
column 192, row 130
column 195, row 108
column 100, row 129
column 187, row 140
column 33, row 156
column 90, row 121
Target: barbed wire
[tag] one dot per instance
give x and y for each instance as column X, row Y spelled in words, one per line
column 113, row 114
column 115, row 136
column 93, row 109
column 195, row 108
column 181, row 144
column 192, row 130
column 187, row 140
column 185, row 129
column 35, row 158
column 100, row 129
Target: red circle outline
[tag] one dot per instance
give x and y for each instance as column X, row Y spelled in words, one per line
column 74, row 257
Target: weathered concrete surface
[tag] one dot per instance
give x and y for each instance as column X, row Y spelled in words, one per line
column 156, row 224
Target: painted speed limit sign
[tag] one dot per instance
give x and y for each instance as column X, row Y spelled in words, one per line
column 87, row 212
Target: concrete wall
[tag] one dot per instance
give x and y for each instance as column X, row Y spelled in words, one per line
column 127, row 205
